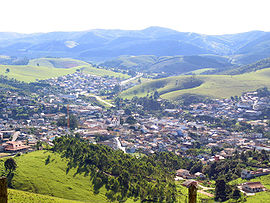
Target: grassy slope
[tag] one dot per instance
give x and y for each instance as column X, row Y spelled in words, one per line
column 17, row 196
column 216, row 86
column 33, row 175
column 136, row 61
column 258, row 197
column 57, row 62
column 49, row 68
column 31, row 73
column 201, row 71
column 70, row 63
column 174, row 64
column 258, row 65
column 183, row 194
column 102, row 72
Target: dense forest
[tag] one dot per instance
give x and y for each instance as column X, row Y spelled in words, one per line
column 123, row 175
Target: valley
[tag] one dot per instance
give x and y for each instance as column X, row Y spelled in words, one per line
column 134, row 116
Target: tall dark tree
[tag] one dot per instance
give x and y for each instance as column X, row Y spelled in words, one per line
column 73, row 121
column 236, row 193
column 10, row 165
column 156, row 95
column 222, row 190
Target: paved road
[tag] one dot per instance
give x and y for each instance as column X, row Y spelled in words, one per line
column 206, row 193
column 103, row 101
column 202, row 191
column 206, row 188
column 15, row 136
column 119, row 146
column 97, row 97
column 130, row 79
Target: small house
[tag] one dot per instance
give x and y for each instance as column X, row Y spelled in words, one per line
column 13, row 146
column 199, row 175
column 253, row 187
column 183, row 173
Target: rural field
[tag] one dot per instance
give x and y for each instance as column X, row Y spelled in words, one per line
column 17, row 196
column 213, row 86
column 35, row 175
column 57, row 62
column 29, row 73
column 45, row 68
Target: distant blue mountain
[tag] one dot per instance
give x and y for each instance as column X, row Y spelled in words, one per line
column 101, row 45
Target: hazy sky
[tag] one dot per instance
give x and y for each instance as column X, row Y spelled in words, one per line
column 202, row 16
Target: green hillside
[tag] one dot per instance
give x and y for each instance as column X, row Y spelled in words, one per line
column 131, row 62
column 38, row 181
column 18, row 196
column 101, row 72
column 184, row 64
column 202, row 71
column 34, row 175
column 45, row 68
column 214, row 86
column 57, row 62
column 169, row 64
column 29, row 73
column 261, row 64
column 183, row 194
column 260, row 196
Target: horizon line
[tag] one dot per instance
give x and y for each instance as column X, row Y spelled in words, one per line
column 120, row 29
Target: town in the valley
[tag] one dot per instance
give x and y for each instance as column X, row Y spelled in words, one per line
column 87, row 106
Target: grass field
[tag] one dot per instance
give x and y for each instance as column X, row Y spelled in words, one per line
column 88, row 69
column 201, row 71
column 71, row 63
column 33, row 175
column 214, row 86
column 45, row 68
column 32, row 73
column 57, row 62
column 183, row 194
column 17, row 196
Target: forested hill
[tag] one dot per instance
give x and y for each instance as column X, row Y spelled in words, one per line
column 169, row 64
column 261, row 64
column 123, row 175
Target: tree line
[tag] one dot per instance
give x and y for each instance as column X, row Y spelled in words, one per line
column 123, row 175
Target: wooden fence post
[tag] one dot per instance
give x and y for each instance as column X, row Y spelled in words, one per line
column 192, row 193
column 3, row 190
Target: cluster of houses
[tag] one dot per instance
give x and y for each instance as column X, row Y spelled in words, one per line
column 148, row 135
column 247, row 107
column 74, row 84
column 247, row 187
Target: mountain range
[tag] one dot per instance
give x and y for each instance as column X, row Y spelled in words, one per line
column 102, row 45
